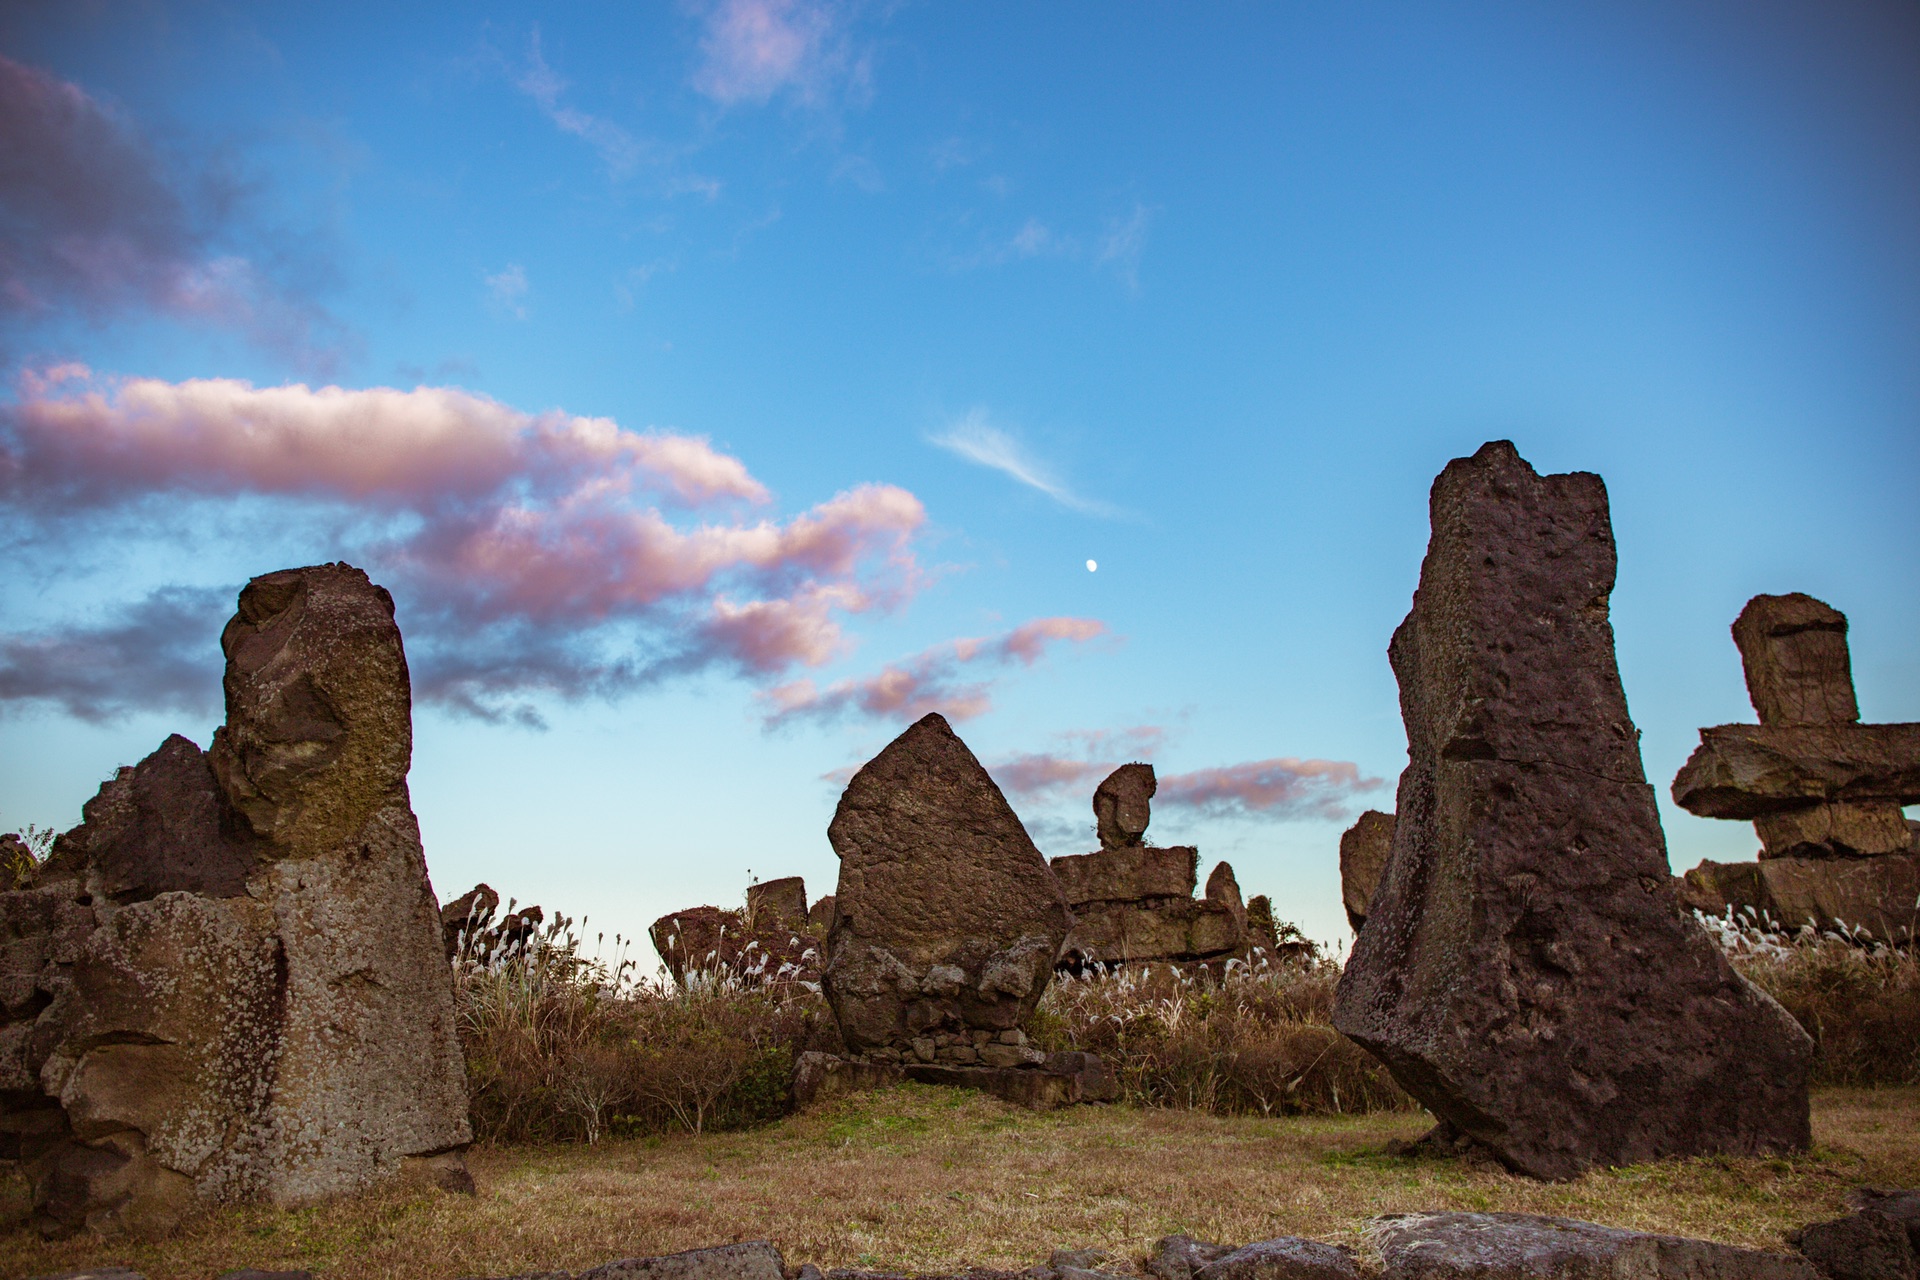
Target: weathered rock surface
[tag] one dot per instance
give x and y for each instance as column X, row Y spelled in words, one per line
column 229, row 982
column 1521, row 1246
column 1525, row 970
column 946, row 916
column 466, row 918
column 1122, row 806
column 1874, row 896
column 1902, row 1206
column 1747, row 770
column 1177, row 1257
column 753, row 1260
column 1363, row 860
column 1814, row 782
column 1284, row 1258
column 768, row 948
column 778, row 903
column 1867, row 1245
column 1127, row 875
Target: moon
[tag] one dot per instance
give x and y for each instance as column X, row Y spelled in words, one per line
column 1093, row 566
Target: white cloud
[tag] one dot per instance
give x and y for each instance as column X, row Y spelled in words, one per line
column 1121, row 243
column 621, row 151
column 509, row 289
column 980, row 442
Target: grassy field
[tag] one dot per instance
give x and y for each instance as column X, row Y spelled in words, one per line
column 926, row 1179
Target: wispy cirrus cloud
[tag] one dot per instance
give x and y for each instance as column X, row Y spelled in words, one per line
column 95, row 220
column 976, row 439
column 529, row 552
column 753, row 50
column 619, row 149
column 951, row 678
column 508, row 289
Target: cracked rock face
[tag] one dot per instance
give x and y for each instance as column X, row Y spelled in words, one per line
column 229, row 982
column 1526, row 971
column 946, row 916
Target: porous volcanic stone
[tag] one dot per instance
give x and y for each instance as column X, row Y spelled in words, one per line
column 1127, row 875
column 778, row 903
column 1285, row 1258
column 1363, row 860
column 752, row 1260
column 230, row 981
column 946, row 915
column 1861, row 1246
column 1122, row 805
column 1874, row 896
column 1522, row 1246
column 1794, row 651
column 1177, row 1257
column 1526, row 971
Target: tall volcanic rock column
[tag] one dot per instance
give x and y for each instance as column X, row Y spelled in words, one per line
column 229, row 982
column 1526, row 971
column 947, row 918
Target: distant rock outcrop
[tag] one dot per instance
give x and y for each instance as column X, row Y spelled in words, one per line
column 229, row 983
column 1525, row 970
column 771, row 941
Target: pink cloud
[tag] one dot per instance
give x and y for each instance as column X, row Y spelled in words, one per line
column 1278, row 788
column 754, row 49
column 94, row 219
column 519, row 543
column 931, row 680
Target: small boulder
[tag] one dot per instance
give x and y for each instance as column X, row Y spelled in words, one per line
column 1285, row 1258
column 1524, row 1246
column 1178, row 1257
column 1122, row 806
column 1867, row 1245
column 753, row 1260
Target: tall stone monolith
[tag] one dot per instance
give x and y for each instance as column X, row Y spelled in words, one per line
column 1525, row 970
column 229, row 983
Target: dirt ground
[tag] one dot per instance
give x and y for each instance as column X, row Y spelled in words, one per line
column 926, row 1179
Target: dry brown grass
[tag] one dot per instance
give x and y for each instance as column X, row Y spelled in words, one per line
column 930, row 1179
column 1250, row 1041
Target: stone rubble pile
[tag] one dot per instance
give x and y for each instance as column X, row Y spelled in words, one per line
column 1823, row 791
column 229, row 982
column 1525, row 969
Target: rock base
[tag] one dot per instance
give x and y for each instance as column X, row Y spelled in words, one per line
column 1057, row 1080
column 1871, row 896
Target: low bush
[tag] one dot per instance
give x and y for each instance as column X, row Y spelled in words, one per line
column 1253, row 1039
column 1859, row 1000
column 561, row 1047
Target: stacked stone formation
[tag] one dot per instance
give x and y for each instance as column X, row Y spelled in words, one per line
column 1363, row 860
column 1525, row 970
column 947, row 921
column 1823, row 791
column 229, row 983
column 1133, row 902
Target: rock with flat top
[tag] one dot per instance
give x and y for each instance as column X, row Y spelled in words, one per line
column 1127, row 875
column 778, row 903
column 946, row 915
column 1525, row 970
column 1870, row 897
column 1284, row 1258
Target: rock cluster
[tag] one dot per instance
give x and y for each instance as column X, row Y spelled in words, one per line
column 1823, row 791
column 229, row 982
column 1525, row 1246
column 1525, row 970
column 775, row 939
column 1134, row 903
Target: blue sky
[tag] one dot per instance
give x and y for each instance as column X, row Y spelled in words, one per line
column 721, row 385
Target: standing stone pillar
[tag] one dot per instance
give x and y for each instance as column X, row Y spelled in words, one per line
column 1525, row 970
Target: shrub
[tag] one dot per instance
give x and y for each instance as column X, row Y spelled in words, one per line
column 1253, row 1039
column 560, row 1047
column 1859, row 1000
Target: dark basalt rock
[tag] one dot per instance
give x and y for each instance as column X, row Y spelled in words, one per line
column 1522, row 1246
column 946, row 915
column 1284, row 1258
column 1363, row 860
column 1867, row 1245
column 1525, row 970
column 1122, row 806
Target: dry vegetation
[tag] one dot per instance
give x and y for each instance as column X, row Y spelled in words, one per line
column 920, row 1178
column 619, row 1117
